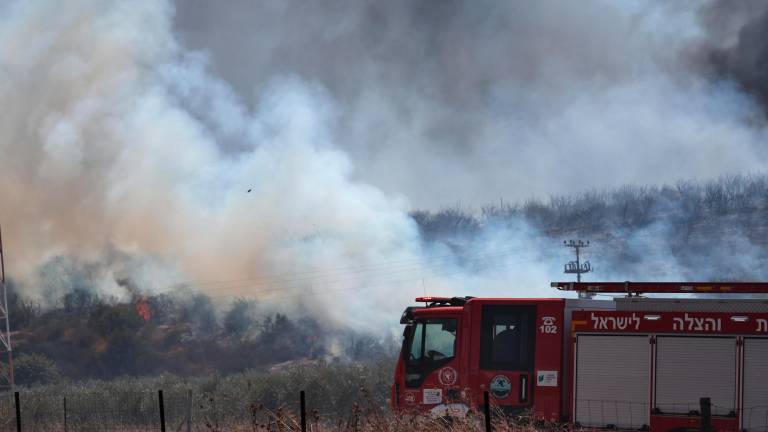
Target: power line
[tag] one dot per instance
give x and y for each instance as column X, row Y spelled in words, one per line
column 351, row 273
column 398, row 265
column 303, row 286
column 298, row 292
column 576, row 267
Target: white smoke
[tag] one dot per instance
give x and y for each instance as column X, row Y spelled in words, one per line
column 113, row 139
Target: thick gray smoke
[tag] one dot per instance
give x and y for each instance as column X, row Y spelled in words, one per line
column 471, row 101
column 132, row 133
column 737, row 47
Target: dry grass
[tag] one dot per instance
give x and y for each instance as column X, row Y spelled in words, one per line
column 371, row 419
column 366, row 416
column 337, row 400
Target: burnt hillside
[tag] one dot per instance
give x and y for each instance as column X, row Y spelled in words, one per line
column 89, row 337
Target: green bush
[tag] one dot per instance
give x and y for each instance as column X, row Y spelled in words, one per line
column 33, row 369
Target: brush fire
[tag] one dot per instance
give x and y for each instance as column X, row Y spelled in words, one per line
column 234, row 202
column 143, row 309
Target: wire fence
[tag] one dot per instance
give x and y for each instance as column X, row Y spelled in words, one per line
column 139, row 411
column 187, row 411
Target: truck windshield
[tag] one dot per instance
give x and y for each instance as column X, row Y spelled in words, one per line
column 429, row 344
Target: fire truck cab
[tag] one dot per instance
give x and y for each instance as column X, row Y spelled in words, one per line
column 631, row 362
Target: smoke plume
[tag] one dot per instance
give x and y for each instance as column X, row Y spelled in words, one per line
column 116, row 139
column 472, row 101
column 737, row 49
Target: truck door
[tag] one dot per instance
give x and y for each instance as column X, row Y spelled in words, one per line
column 431, row 360
column 755, row 411
column 613, row 374
column 691, row 367
column 507, row 354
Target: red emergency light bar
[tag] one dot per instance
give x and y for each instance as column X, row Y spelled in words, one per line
column 443, row 301
column 432, row 299
column 664, row 287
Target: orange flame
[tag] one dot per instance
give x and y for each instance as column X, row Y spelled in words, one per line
column 143, row 309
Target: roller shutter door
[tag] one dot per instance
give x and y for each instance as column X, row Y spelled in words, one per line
column 755, row 414
column 612, row 380
column 690, row 368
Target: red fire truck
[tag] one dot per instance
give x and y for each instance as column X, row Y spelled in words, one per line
column 637, row 361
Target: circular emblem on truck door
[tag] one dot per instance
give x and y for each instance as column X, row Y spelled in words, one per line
column 501, row 387
column 447, row 376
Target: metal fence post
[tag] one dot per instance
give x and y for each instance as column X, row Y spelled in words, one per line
column 17, row 402
column 162, row 410
column 189, row 410
column 303, row 411
column 65, row 414
column 706, row 414
column 487, row 411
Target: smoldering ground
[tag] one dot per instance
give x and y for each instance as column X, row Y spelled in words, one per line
column 135, row 130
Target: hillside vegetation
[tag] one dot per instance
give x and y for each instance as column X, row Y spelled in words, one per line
column 716, row 230
column 713, row 230
column 89, row 337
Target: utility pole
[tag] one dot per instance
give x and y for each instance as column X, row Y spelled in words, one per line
column 576, row 267
column 5, row 330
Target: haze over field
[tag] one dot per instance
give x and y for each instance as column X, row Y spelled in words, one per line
column 132, row 132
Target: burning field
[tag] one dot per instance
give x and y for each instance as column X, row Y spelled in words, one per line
column 89, row 337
